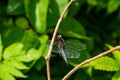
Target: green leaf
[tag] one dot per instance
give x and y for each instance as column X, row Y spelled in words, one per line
column 92, row 2
column 18, row 64
column 4, row 75
column 61, row 5
column 32, row 54
column 113, row 5
column 12, row 70
column 40, row 64
column 75, row 6
column 15, row 7
column 99, row 3
column 105, row 63
column 53, row 10
column 30, row 40
column 1, row 47
column 116, row 76
column 12, row 50
column 22, row 20
column 116, row 53
column 43, row 40
column 37, row 13
column 12, row 35
column 8, row 76
column 30, row 10
column 41, row 14
column 72, row 28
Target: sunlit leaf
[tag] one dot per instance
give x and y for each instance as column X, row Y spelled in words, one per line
column 43, row 40
column 32, row 54
column 18, row 64
column 12, row 70
column 4, row 75
column 12, row 50
column 105, row 63
column 116, row 53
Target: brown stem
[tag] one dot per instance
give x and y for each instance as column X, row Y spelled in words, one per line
column 53, row 39
column 89, row 60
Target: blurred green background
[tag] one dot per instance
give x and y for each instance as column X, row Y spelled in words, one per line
column 26, row 26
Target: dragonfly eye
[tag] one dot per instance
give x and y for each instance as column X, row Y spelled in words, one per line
column 59, row 36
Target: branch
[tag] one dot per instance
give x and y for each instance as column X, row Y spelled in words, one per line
column 89, row 60
column 53, row 39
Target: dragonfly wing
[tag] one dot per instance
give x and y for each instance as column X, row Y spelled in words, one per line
column 56, row 48
column 73, row 48
column 70, row 53
column 76, row 44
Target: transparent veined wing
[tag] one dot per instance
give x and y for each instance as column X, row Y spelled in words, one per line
column 55, row 49
column 58, row 49
column 73, row 48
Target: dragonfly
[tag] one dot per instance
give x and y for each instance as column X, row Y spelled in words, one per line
column 68, row 49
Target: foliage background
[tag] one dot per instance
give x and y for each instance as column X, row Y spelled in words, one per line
column 25, row 26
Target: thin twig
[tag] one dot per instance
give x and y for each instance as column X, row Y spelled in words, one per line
column 89, row 60
column 53, row 39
